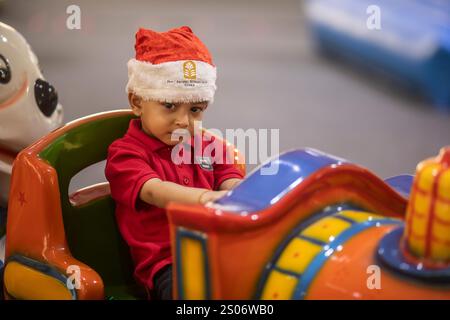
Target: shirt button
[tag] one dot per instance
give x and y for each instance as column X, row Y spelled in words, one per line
column 186, row 181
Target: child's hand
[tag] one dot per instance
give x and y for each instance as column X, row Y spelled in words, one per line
column 211, row 196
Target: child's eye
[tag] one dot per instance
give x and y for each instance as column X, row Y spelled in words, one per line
column 196, row 109
column 169, row 106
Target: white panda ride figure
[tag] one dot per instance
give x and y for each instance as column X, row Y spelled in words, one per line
column 29, row 108
column 29, row 105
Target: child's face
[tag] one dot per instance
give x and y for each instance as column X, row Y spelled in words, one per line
column 160, row 119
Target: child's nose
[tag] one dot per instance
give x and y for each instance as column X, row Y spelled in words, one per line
column 182, row 120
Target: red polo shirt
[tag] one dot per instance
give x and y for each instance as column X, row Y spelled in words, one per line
column 134, row 159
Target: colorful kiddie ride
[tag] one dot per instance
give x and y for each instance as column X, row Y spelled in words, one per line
column 319, row 228
column 29, row 109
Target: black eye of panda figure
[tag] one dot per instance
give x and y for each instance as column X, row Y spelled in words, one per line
column 5, row 70
column 46, row 97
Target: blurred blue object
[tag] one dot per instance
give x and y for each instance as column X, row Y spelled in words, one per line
column 411, row 43
column 402, row 184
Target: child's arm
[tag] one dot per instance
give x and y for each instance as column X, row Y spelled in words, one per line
column 159, row 193
column 229, row 184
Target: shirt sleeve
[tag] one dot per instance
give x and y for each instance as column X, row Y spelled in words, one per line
column 127, row 169
column 223, row 169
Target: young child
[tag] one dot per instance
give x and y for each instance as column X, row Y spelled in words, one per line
column 171, row 82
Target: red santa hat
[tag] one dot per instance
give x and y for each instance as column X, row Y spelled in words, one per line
column 173, row 66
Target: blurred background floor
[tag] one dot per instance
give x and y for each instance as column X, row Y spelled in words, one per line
column 269, row 76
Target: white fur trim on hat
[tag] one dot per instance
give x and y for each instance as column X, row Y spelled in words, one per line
column 175, row 81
